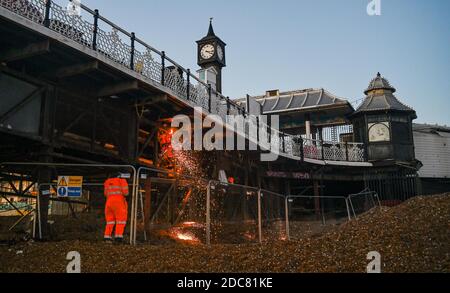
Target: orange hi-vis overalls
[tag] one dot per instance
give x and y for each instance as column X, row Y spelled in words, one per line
column 116, row 209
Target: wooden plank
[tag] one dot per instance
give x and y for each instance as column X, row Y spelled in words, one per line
column 74, row 70
column 28, row 51
column 118, row 88
column 150, row 100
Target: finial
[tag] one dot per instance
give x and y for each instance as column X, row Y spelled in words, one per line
column 211, row 29
column 379, row 74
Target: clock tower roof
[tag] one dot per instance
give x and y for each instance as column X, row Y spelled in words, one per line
column 380, row 97
column 211, row 36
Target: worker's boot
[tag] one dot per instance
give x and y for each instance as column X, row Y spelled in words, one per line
column 118, row 240
column 108, row 240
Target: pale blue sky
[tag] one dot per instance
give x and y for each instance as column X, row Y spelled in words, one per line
column 295, row 44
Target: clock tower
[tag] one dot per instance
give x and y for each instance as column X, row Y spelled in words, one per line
column 384, row 125
column 211, row 59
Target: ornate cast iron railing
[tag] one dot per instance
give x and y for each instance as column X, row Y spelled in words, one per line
column 98, row 33
column 302, row 147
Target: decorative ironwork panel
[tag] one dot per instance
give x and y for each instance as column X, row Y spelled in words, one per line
column 33, row 10
column 312, row 149
column 199, row 95
column 110, row 45
column 356, row 152
column 221, row 108
column 334, row 151
column 147, row 66
column 176, row 82
column 71, row 26
column 288, row 145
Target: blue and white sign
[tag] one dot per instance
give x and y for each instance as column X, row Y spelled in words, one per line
column 62, row 191
column 70, row 186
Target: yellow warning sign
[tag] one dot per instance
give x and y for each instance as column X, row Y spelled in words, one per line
column 75, row 181
column 62, row 181
column 70, row 186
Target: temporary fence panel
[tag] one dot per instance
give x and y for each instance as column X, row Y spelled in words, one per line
column 233, row 213
column 70, row 218
column 310, row 215
column 176, row 210
column 173, row 207
column 363, row 202
column 273, row 216
column 87, row 227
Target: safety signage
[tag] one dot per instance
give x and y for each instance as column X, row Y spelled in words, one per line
column 70, row 186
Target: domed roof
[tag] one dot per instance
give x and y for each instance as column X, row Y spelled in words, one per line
column 383, row 100
column 379, row 83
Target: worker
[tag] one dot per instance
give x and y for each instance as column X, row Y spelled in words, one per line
column 116, row 208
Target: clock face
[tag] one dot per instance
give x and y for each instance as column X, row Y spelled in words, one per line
column 220, row 53
column 207, row 51
column 379, row 132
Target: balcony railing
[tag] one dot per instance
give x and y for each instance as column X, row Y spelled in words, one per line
column 94, row 31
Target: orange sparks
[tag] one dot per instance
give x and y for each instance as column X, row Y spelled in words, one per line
column 249, row 235
column 186, row 197
column 192, row 225
column 184, row 236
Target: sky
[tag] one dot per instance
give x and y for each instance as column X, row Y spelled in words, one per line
column 297, row 44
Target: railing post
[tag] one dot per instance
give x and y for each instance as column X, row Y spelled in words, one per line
column 133, row 38
column 365, row 153
column 209, row 97
column 257, row 131
column 348, row 209
column 302, row 150
column 259, row 217
column 48, row 5
column 286, row 212
column 346, row 152
column 188, row 86
column 283, row 143
column 94, row 38
column 163, row 67
column 322, row 149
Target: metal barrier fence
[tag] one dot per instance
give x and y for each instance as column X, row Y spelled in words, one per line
column 363, row 202
column 233, row 213
column 171, row 202
column 238, row 213
column 273, row 216
column 68, row 215
column 311, row 214
column 99, row 171
column 172, row 206
column 193, row 209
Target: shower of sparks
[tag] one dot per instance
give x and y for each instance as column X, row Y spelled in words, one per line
column 192, row 225
column 249, row 236
column 179, row 234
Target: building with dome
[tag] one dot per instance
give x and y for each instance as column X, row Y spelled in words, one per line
column 327, row 124
column 384, row 125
